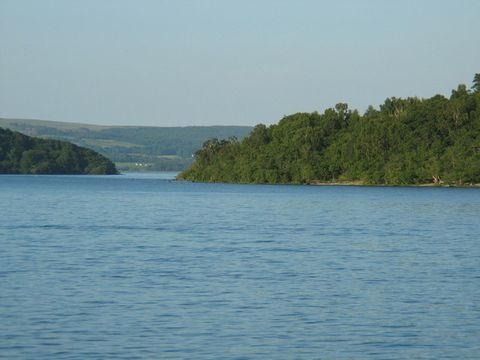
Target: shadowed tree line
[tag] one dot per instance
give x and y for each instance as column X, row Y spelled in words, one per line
column 22, row 154
column 405, row 141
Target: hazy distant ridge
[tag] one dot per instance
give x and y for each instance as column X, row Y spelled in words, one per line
column 142, row 147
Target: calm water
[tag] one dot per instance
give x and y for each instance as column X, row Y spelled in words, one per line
column 139, row 266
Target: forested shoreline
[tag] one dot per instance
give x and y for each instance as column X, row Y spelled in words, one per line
column 22, row 154
column 408, row 141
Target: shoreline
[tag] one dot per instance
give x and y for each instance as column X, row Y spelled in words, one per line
column 361, row 183
column 358, row 183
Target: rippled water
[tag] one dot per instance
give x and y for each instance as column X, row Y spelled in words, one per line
column 139, row 266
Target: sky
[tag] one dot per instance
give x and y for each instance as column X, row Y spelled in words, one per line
column 227, row 62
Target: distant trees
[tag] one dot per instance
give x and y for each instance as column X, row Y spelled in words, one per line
column 21, row 154
column 406, row 141
column 156, row 148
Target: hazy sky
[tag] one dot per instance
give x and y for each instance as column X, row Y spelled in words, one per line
column 206, row 62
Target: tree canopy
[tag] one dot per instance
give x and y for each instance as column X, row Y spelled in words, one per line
column 22, row 154
column 405, row 141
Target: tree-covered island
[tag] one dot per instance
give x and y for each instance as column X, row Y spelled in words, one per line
column 408, row 141
column 22, row 154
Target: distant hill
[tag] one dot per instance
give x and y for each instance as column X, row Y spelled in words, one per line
column 131, row 147
column 406, row 141
column 22, row 154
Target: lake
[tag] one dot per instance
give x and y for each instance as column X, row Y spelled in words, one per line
column 141, row 266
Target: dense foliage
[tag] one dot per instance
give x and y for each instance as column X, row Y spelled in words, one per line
column 406, row 141
column 152, row 148
column 21, row 154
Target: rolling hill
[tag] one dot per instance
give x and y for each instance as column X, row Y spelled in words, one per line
column 22, row 154
column 131, row 147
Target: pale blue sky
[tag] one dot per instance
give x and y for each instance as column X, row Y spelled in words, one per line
column 174, row 62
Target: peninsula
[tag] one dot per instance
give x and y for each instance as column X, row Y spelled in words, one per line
column 408, row 141
column 22, row 154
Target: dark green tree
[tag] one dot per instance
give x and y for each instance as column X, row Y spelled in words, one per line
column 21, row 154
column 476, row 82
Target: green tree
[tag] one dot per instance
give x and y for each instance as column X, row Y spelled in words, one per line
column 476, row 82
column 407, row 141
column 27, row 155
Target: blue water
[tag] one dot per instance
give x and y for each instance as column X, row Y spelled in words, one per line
column 139, row 266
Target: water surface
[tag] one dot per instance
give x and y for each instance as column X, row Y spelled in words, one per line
column 140, row 266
